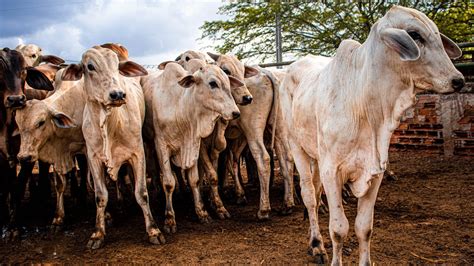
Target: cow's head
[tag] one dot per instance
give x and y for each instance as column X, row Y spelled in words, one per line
column 414, row 40
column 33, row 55
column 213, row 90
column 101, row 69
column 36, row 124
column 232, row 66
column 13, row 74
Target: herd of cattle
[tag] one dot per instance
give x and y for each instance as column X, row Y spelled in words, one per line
column 331, row 117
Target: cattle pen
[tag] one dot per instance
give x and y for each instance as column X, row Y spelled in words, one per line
column 355, row 146
column 424, row 216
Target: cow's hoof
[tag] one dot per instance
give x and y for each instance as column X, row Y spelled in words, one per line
column 320, row 257
column 11, row 235
column 242, row 200
column 222, row 213
column 55, row 228
column 157, row 239
column 263, row 215
column 95, row 243
column 205, row 218
column 170, row 226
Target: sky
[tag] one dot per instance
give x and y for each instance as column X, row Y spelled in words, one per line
column 152, row 30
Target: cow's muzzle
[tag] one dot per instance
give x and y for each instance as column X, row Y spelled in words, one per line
column 15, row 101
column 117, row 97
column 25, row 158
column 247, row 99
column 457, row 84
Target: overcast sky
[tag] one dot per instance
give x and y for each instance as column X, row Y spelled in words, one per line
column 152, row 30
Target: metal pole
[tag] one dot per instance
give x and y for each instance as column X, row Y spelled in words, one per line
column 278, row 38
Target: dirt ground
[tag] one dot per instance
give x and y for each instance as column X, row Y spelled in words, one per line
column 426, row 216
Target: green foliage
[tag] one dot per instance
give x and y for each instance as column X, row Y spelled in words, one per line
column 319, row 27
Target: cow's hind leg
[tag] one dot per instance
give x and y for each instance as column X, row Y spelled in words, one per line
column 311, row 194
column 193, row 176
column 259, row 152
column 286, row 169
column 365, row 219
column 141, row 195
column 60, row 186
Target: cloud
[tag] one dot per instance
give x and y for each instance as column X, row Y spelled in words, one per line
column 152, row 31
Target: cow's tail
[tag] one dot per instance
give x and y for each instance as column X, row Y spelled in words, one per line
column 275, row 105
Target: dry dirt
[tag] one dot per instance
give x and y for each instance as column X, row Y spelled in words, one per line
column 426, row 216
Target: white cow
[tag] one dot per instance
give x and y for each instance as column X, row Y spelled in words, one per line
column 33, row 55
column 112, row 125
column 185, row 108
column 341, row 118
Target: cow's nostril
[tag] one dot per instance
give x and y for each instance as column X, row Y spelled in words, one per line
column 457, row 84
column 235, row 115
column 247, row 99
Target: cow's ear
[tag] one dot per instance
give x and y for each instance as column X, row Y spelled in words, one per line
column 235, row 83
column 214, row 57
column 250, row 72
column 72, row 72
column 61, row 120
column 451, row 48
column 131, row 69
column 401, row 42
column 187, row 81
column 51, row 59
column 163, row 64
column 37, row 80
column 120, row 50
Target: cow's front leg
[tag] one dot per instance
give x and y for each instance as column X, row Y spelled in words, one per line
column 60, row 186
column 141, row 195
column 193, row 176
column 338, row 224
column 311, row 194
column 101, row 197
column 215, row 198
column 365, row 220
column 169, row 182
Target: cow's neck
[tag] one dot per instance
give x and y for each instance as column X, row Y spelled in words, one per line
column 200, row 119
column 386, row 90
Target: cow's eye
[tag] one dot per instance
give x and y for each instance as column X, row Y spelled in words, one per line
column 213, row 84
column 415, row 36
column 34, row 56
column 226, row 71
column 187, row 58
column 40, row 123
column 90, row 67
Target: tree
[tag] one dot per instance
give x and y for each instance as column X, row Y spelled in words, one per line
column 318, row 27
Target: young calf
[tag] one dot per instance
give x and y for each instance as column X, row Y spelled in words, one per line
column 185, row 109
column 51, row 131
column 342, row 117
column 112, row 125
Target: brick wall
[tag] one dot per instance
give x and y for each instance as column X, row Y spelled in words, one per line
column 442, row 124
